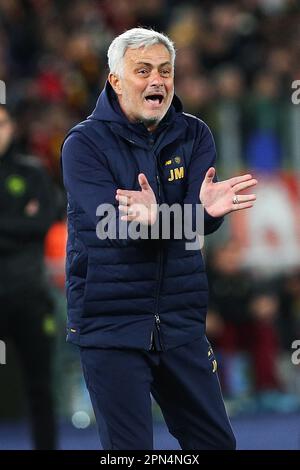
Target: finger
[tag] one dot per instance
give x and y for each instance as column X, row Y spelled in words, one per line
column 246, row 198
column 128, row 211
column 210, row 174
column 124, row 200
column 243, row 205
column 143, row 182
column 239, row 179
column 242, row 186
column 124, row 209
column 125, row 192
column 128, row 218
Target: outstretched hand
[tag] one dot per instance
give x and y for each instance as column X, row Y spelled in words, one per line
column 220, row 198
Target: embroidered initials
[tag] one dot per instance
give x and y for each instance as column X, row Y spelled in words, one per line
column 176, row 174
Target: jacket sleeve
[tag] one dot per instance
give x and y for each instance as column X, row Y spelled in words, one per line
column 91, row 184
column 203, row 157
column 28, row 227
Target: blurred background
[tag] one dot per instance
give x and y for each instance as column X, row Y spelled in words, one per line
column 236, row 62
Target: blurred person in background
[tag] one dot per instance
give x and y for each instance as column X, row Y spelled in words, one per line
column 27, row 209
column 264, row 339
column 136, row 308
column 228, row 317
column 242, row 320
column 266, row 347
column 244, row 324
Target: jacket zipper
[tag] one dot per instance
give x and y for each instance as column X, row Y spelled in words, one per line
column 160, row 263
column 156, row 315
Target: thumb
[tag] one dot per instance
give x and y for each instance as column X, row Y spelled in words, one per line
column 210, row 174
column 143, row 182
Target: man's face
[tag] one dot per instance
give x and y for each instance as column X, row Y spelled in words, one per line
column 6, row 131
column 146, row 88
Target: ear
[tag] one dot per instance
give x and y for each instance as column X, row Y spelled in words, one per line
column 116, row 83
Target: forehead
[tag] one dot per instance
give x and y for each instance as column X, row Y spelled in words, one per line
column 156, row 54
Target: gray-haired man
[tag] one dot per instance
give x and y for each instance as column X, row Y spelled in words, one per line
column 137, row 307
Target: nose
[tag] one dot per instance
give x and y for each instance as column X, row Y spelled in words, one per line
column 156, row 79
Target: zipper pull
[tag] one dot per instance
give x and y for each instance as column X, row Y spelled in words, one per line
column 157, row 319
column 151, row 341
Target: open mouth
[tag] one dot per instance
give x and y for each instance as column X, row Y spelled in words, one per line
column 155, row 99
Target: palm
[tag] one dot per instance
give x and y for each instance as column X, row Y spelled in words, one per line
column 217, row 197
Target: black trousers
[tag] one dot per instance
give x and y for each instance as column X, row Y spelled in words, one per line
column 182, row 380
column 26, row 319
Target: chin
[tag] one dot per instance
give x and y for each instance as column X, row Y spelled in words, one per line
column 150, row 121
column 153, row 117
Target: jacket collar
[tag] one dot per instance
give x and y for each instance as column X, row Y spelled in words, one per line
column 108, row 109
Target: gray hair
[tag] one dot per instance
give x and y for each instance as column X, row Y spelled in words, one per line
column 133, row 39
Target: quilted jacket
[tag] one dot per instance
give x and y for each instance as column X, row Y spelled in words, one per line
column 126, row 293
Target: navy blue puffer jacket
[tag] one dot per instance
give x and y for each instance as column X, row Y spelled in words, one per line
column 134, row 293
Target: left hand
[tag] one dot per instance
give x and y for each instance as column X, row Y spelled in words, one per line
column 140, row 206
column 217, row 198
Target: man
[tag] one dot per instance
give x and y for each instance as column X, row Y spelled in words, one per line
column 27, row 211
column 136, row 307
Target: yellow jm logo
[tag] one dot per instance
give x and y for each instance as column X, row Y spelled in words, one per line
column 176, row 174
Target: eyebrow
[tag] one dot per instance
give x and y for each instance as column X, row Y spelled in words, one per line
column 151, row 65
